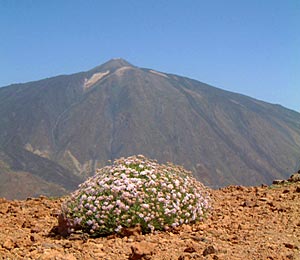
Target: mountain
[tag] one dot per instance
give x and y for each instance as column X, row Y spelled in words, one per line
column 60, row 129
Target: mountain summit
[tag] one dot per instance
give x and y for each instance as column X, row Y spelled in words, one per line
column 55, row 132
column 112, row 65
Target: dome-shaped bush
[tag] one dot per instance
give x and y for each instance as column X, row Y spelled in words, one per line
column 135, row 191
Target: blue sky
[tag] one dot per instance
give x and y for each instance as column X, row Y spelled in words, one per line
column 246, row 46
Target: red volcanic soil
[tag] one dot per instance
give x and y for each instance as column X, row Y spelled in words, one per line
column 245, row 223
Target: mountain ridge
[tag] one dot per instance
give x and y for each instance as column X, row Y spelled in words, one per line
column 82, row 120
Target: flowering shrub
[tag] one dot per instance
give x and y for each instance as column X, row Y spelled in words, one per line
column 135, row 191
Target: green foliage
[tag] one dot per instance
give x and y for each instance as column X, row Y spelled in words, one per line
column 136, row 191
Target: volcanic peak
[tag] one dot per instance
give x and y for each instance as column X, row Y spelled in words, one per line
column 112, row 65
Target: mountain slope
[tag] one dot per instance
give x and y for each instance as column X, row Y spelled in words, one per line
column 82, row 120
column 24, row 174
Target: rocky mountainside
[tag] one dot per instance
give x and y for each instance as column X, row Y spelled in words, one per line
column 245, row 223
column 57, row 131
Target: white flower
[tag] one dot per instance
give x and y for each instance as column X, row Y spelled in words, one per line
column 130, row 186
column 153, row 176
column 89, row 222
column 160, row 199
column 187, row 214
column 145, row 206
column 89, row 213
column 118, row 229
column 153, row 190
column 151, row 227
column 170, row 186
column 175, row 224
column 151, row 182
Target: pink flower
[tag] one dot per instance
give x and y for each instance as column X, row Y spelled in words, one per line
column 89, row 213
column 177, row 183
column 145, row 206
column 170, row 186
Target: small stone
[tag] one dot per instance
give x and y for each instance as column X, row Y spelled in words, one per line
column 49, row 245
column 35, row 230
column 3, row 200
column 278, row 182
column 189, row 249
column 100, row 255
column 199, row 239
column 99, row 246
column 290, row 246
column 297, row 189
column 131, row 239
column 141, row 249
column 42, row 197
column 133, row 231
column 295, row 177
column 26, row 224
column 8, row 244
column 263, row 199
column 187, row 228
column 63, row 228
column 247, row 204
column 209, row 250
column 67, row 245
column 33, row 238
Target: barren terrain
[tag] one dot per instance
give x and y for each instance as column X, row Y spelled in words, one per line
column 246, row 223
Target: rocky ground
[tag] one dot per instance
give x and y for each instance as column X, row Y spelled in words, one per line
column 246, row 223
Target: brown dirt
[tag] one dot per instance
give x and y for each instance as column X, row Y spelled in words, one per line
column 246, row 223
